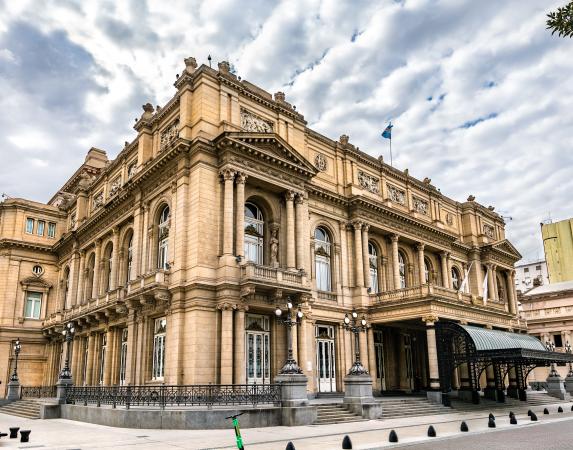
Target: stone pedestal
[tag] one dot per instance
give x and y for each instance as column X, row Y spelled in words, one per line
column 555, row 387
column 13, row 391
column 61, row 386
column 469, row 395
column 569, row 384
column 358, row 396
column 435, row 397
column 293, row 390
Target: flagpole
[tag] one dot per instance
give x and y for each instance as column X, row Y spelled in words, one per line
column 391, row 165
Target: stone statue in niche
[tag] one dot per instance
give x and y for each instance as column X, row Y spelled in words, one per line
column 274, row 243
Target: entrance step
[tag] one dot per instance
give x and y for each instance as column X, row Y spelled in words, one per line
column 330, row 395
column 393, row 408
column 335, row 413
column 29, row 409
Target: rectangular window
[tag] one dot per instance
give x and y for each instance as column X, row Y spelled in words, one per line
column 558, row 341
column 526, row 270
column 29, row 225
column 51, row 229
column 33, row 305
column 123, row 357
column 158, row 368
column 538, row 268
column 41, row 226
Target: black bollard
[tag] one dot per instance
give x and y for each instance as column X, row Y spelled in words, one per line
column 560, row 410
column 393, row 436
column 511, row 414
column 431, row 431
column 513, row 420
column 533, row 417
column 571, row 407
column 25, row 435
column 3, row 434
column 464, row 427
column 491, row 416
column 545, row 411
column 290, row 446
column 14, row 432
column 346, row 442
column 529, row 413
column 491, row 423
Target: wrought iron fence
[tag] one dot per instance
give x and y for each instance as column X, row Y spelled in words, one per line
column 37, row 391
column 538, row 385
column 175, row 395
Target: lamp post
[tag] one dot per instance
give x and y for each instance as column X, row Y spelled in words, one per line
column 569, row 350
column 68, row 332
column 17, row 349
column 290, row 367
column 356, row 326
column 550, row 346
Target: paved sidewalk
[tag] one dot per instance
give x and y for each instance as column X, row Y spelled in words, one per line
column 65, row 434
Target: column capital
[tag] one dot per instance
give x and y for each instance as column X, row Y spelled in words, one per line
column 420, row 246
column 241, row 178
column 365, row 227
column 115, row 231
column 299, row 198
column 430, row 319
column 394, row 238
column 97, row 243
column 289, row 195
column 227, row 174
column 445, row 254
column 225, row 306
column 356, row 224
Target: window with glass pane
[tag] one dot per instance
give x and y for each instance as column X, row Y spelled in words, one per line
column 123, row 357
column 129, row 259
column 254, row 233
column 158, row 368
column 29, row 225
column 51, row 229
column 426, row 270
column 402, row 270
column 33, row 305
column 373, row 262
column 322, row 251
column 163, row 241
column 455, row 278
column 41, row 226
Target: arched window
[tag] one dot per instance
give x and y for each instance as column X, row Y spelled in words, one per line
column 402, row 269
column 254, row 233
column 427, row 270
column 66, row 286
column 373, row 263
column 322, row 257
column 129, row 259
column 90, row 277
column 456, row 282
column 500, row 288
column 108, row 261
column 163, row 238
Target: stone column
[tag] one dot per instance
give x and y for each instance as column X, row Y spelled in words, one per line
column 445, row 275
column 395, row 264
column 372, row 361
column 366, row 256
column 240, row 215
column 228, row 178
column 136, row 244
column 421, row 263
column 97, row 260
column 364, row 359
column 290, row 253
column 131, row 357
column 511, row 292
column 344, row 254
column 108, row 357
column 434, row 394
column 81, row 280
column 226, row 343
column 300, row 232
column 239, row 364
column 359, row 267
column 302, row 347
column 90, row 359
column 73, row 281
column 490, row 285
column 115, row 260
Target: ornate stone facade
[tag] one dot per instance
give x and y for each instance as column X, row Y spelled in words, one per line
column 228, row 204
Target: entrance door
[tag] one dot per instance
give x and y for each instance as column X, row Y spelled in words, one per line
column 258, row 349
column 379, row 352
column 325, row 358
column 409, row 363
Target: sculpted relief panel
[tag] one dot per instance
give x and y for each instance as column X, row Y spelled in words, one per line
column 420, row 206
column 254, row 123
column 488, row 230
column 368, row 182
column 396, row 195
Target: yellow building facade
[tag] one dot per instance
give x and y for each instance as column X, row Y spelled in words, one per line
column 171, row 259
column 558, row 246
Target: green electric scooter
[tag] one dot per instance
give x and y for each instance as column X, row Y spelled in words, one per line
column 240, row 445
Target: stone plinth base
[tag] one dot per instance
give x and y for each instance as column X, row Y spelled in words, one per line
column 293, row 390
column 358, row 396
column 569, row 385
column 61, row 386
column 434, row 397
column 513, row 392
column 468, row 395
column 555, row 387
column 13, row 391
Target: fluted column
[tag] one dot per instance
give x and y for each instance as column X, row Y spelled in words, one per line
column 344, row 254
column 301, row 235
column 239, row 366
column 73, row 281
column 228, row 178
column 358, row 261
column 364, row 358
column 226, row 343
column 490, row 284
column 395, row 264
column 365, row 255
column 421, row 264
column 445, row 276
column 302, row 331
column 97, row 260
column 240, row 219
column 290, row 255
column 511, row 292
column 432, row 352
column 90, row 359
column 372, row 360
column 108, row 357
column 136, row 244
column 114, row 260
column 81, row 279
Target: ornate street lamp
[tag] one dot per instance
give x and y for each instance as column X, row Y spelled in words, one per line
column 550, row 346
column 68, row 332
column 356, row 327
column 569, row 350
column 290, row 367
column 17, row 348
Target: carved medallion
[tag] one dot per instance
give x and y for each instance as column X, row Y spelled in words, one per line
column 114, row 186
column 420, row 206
column 320, row 162
column 368, row 182
column 396, row 195
column 488, row 230
column 254, row 123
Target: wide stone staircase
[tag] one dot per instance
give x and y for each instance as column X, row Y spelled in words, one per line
column 396, row 407
column 534, row 398
column 29, row 409
column 335, row 413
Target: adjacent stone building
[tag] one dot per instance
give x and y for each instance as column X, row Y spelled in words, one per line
column 171, row 259
column 558, row 246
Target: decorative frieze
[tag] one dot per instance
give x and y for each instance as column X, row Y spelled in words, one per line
column 114, row 186
column 132, row 170
column 449, row 219
column 98, row 200
column 488, row 230
column 396, row 195
column 368, row 182
column 254, row 123
column 420, row 205
column 169, row 135
column 320, row 162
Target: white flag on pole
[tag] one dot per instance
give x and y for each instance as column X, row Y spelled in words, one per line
column 485, row 287
column 464, row 286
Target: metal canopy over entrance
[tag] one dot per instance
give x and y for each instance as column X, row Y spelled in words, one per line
column 472, row 350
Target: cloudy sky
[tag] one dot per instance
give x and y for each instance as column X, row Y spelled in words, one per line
column 479, row 92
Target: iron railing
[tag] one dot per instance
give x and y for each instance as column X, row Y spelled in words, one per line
column 37, row 391
column 175, row 395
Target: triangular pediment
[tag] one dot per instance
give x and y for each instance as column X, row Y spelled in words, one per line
column 269, row 146
column 506, row 247
column 36, row 281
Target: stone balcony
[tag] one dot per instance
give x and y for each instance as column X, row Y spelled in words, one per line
column 265, row 279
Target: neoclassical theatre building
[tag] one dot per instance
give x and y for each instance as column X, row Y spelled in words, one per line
column 171, row 259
